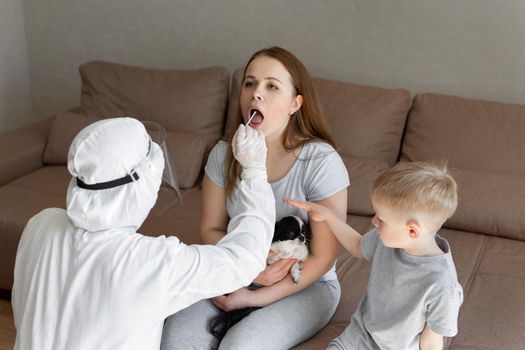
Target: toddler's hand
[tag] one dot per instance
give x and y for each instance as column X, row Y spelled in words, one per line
column 317, row 212
column 249, row 148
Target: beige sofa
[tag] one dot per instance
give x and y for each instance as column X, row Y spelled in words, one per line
column 374, row 127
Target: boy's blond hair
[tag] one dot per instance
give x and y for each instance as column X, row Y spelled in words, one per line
column 418, row 186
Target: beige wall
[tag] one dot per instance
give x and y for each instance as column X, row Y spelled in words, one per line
column 15, row 92
column 473, row 48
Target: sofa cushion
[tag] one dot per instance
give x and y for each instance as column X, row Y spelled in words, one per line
column 187, row 150
column 367, row 121
column 484, row 145
column 65, row 127
column 490, row 203
column 363, row 173
column 180, row 100
column 471, row 134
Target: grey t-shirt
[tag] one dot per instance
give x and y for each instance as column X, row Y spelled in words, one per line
column 404, row 292
column 318, row 173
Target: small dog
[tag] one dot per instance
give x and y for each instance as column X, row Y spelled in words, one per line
column 291, row 239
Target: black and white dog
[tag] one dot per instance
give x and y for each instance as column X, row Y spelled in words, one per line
column 291, row 239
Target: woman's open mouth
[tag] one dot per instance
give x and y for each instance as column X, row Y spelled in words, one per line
column 256, row 118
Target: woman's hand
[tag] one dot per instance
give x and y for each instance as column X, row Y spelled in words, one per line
column 275, row 272
column 236, row 300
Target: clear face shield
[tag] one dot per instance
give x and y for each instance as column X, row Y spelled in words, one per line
column 158, row 135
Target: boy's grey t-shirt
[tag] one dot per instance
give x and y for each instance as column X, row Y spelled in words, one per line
column 318, row 174
column 404, row 293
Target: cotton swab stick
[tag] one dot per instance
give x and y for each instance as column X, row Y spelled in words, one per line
column 249, row 120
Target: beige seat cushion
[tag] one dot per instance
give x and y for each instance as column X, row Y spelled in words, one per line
column 494, row 293
column 180, row 100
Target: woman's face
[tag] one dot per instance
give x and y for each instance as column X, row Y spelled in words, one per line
column 268, row 92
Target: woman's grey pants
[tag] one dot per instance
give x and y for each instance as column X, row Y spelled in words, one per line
column 280, row 325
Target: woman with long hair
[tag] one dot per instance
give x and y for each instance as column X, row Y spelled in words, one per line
column 278, row 98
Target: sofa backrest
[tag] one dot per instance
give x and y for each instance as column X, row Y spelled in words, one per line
column 484, row 145
column 192, row 101
column 190, row 104
column 367, row 123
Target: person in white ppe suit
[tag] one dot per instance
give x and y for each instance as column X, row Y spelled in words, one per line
column 85, row 279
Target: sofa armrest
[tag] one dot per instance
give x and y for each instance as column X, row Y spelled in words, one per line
column 21, row 149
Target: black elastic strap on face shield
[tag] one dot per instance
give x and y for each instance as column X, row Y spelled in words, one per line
column 109, row 184
column 133, row 176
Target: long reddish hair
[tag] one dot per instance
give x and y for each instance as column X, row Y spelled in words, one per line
column 306, row 125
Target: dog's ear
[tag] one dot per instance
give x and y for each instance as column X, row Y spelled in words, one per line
column 307, row 232
column 281, row 229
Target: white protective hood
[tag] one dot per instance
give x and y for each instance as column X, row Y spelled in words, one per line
column 105, row 151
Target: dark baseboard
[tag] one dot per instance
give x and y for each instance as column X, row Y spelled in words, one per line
column 5, row 294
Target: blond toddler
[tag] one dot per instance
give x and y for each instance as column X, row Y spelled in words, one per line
column 413, row 295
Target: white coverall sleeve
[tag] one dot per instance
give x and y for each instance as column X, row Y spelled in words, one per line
column 204, row 271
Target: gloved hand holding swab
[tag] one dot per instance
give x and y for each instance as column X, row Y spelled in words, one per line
column 249, row 148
